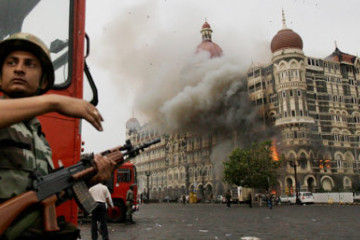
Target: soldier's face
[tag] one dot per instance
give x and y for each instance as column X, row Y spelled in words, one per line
column 21, row 74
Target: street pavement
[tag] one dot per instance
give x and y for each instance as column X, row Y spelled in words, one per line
column 214, row 221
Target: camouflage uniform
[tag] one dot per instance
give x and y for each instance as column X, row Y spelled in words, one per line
column 129, row 204
column 23, row 151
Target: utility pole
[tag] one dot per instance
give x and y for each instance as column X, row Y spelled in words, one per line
column 147, row 173
column 293, row 164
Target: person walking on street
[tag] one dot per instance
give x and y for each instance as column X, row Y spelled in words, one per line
column 102, row 196
column 183, row 197
column 129, row 203
column 228, row 198
column 250, row 201
column 269, row 200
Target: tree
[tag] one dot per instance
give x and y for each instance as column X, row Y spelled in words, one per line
column 252, row 167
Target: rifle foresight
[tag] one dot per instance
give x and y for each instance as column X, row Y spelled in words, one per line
column 133, row 152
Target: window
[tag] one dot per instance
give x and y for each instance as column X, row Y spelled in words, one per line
column 357, row 119
column 123, row 175
column 291, row 93
column 298, row 93
column 284, row 94
column 301, row 113
column 293, row 113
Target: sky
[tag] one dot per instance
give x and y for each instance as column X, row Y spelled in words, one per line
column 144, row 64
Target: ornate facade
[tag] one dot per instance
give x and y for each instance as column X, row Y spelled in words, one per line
column 314, row 105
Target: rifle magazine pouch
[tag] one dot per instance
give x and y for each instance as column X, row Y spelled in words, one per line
column 22, row 224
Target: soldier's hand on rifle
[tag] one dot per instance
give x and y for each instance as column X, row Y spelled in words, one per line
column 105, row 167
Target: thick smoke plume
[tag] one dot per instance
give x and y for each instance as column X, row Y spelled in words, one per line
column 213, row 98
column 173, row 86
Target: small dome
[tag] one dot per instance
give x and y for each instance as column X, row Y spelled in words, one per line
column 286, row 38
column 339, row 56
column 206, row 25
column 132, row 124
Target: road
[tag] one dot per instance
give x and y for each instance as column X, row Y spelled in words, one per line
column 215, row 221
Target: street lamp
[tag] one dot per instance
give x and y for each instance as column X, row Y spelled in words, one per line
column 147, row 173
column 294, row 165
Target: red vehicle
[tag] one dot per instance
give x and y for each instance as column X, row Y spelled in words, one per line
column 61, row 25
column 120, row 183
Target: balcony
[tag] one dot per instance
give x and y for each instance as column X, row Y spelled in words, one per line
column 294, row 120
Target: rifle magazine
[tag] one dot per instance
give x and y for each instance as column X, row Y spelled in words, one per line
column 83, row 197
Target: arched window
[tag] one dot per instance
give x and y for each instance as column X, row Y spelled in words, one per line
column 339, row 161
column 303, row 161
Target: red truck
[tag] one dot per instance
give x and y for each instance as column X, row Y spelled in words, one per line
column 123, row 177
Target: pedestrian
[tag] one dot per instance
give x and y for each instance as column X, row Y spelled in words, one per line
column 102, row 197
column 183, row 199
column 26, row 73
column 228, row 198
column 130, row 203
column 250, row 200
column 269, row 200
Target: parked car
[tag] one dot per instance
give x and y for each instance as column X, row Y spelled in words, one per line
column 219, row 199
column 356, row 197
column 284, row 199
column 288, row 199
column 292, row 199
column 169, row 199
column 306, row 197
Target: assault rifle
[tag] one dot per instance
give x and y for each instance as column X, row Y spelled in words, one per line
column 63, row 184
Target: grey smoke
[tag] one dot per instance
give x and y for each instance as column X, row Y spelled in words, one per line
column 172, row 85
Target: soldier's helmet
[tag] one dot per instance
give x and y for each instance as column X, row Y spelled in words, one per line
column 30, row 43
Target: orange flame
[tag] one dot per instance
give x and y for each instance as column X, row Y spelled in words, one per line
column 274, row 152
column 324, row 164
column 327, row 163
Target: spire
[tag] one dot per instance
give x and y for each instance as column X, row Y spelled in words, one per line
column 336, row 46
column 283, row 20
column 133, row 112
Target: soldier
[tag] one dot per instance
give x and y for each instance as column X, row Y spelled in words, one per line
column 129, row 203
column 26, row 73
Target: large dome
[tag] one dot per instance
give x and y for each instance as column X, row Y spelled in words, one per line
column 286, row 38
column 211, row 47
